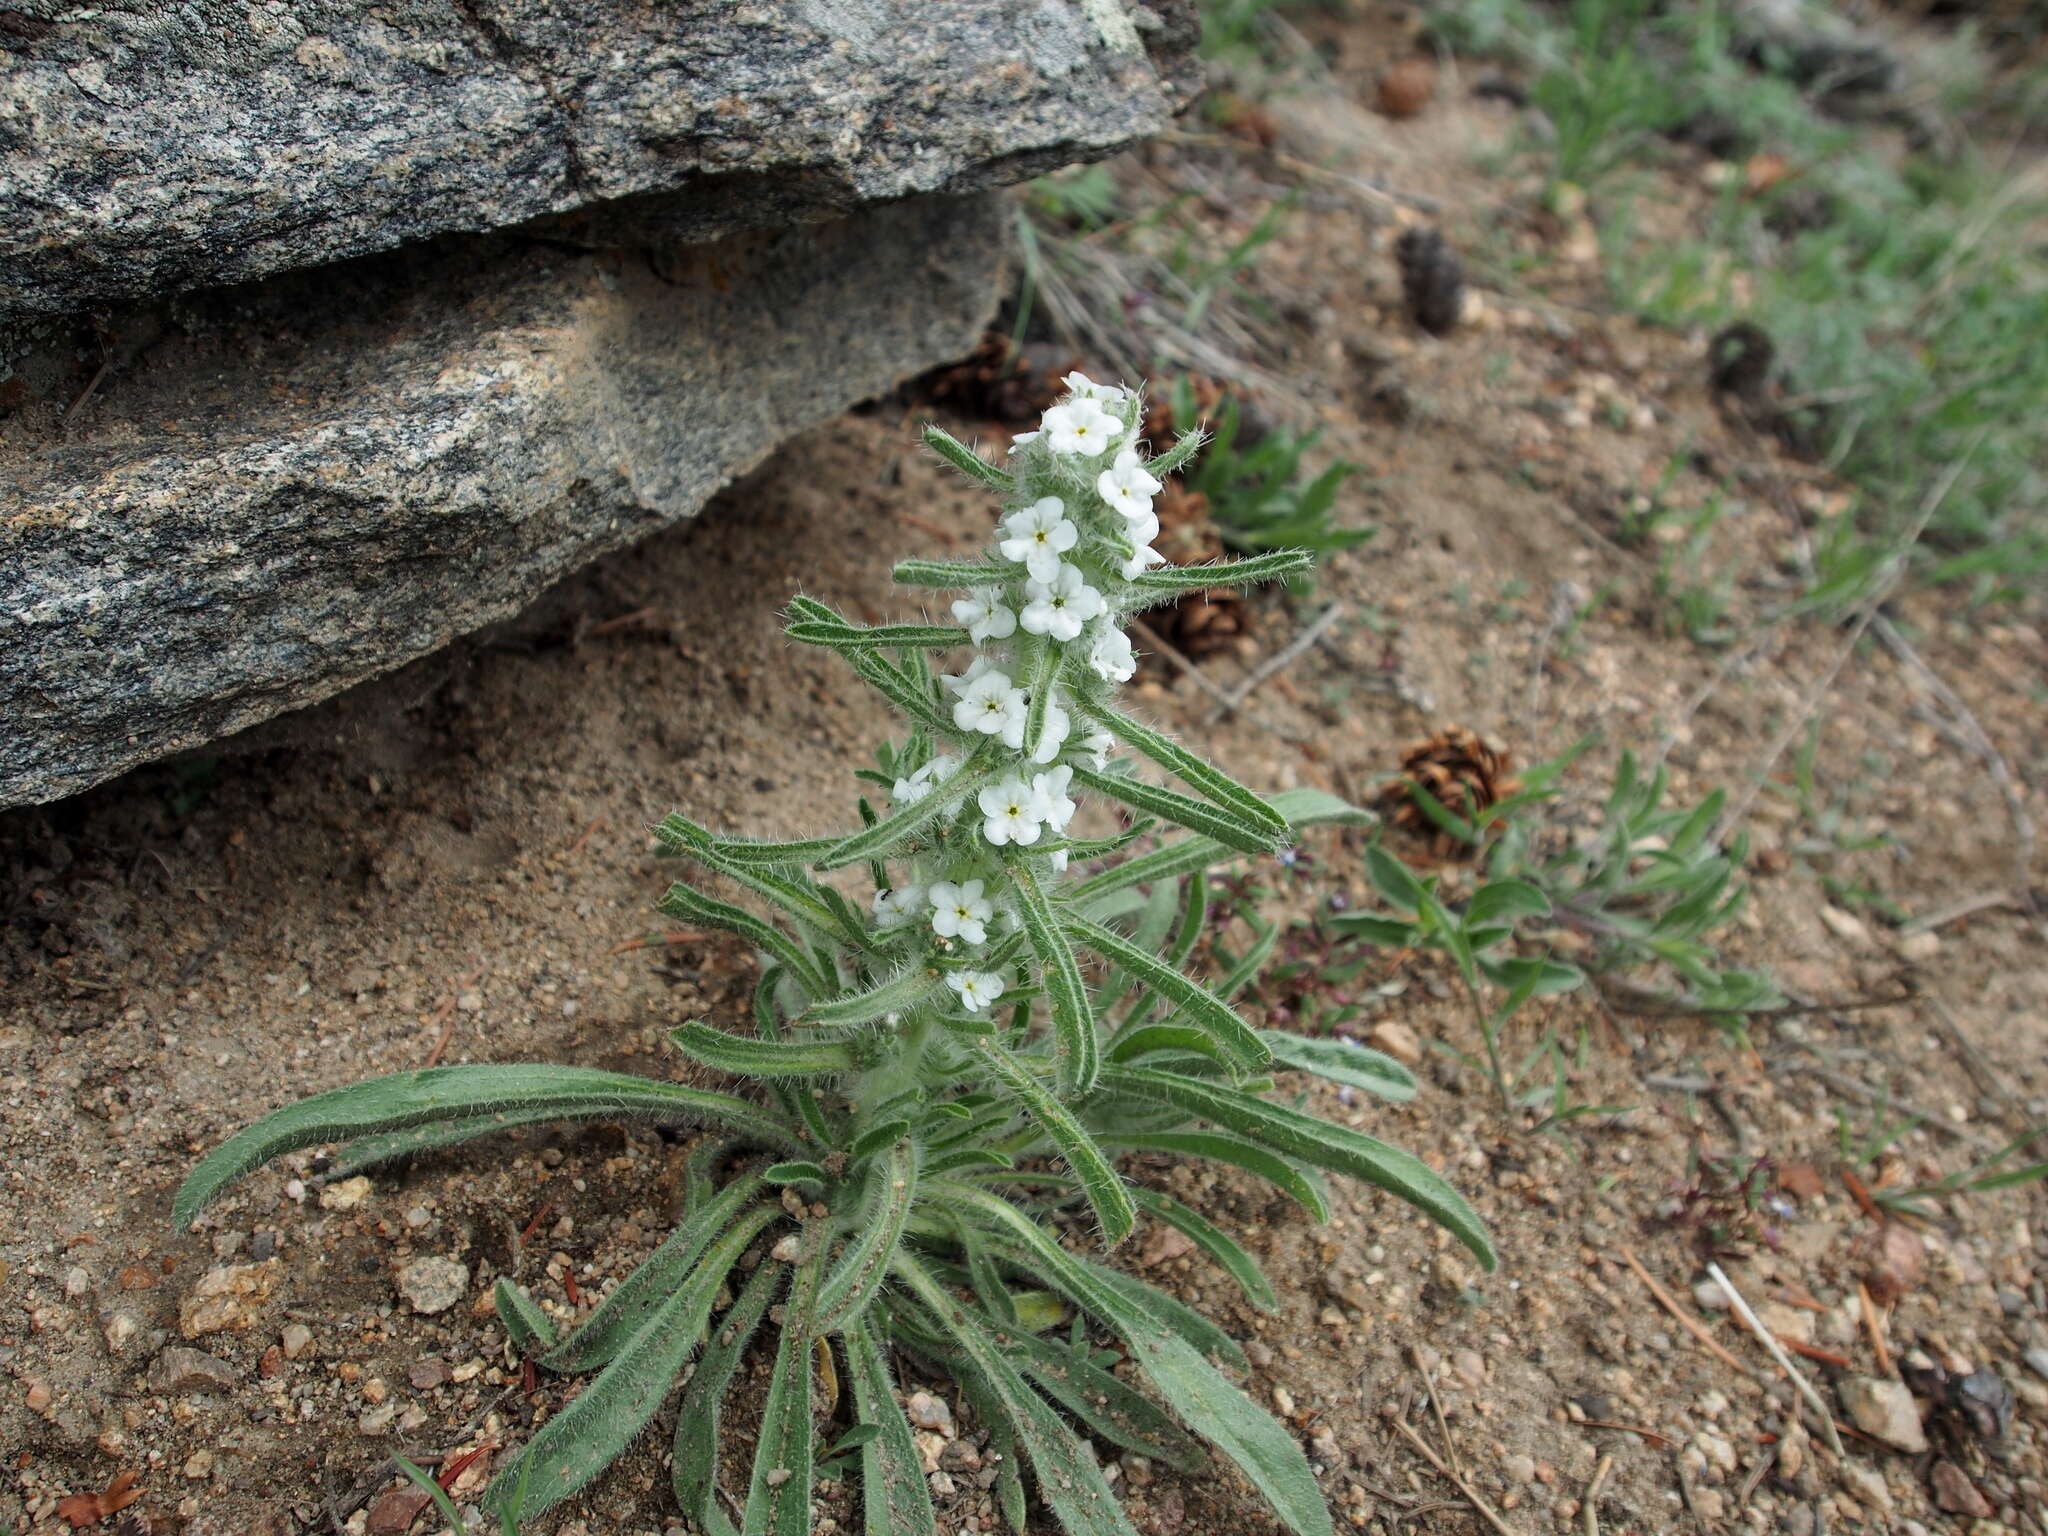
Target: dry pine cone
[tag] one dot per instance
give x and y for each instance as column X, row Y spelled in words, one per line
column 1460, row 771
column 1432, row 280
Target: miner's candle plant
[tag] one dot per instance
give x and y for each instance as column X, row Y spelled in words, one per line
column 932, row 1096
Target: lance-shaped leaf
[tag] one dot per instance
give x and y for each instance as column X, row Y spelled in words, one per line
column 968, row 462
column 1341, row 1061
column 373, row 1151
column 1183, row 810
column 877, row 840
column 1200, row 1395
column 1068, row 1478
column 1099, row 1400
column 1077, row 1052
column 1322, row 1143
column 1301, row 807
column 912, row 695
column 949, row 573
column 1194, row 918
column 779, row 1497
column 1045, row 668
column 695, row 1463
column 1216, row 1243
column 1197, row 1004
column 1217, row 1146
column 1099, row 1179
column 1177, row 458
column 1178, row 1039
column 626, row 1309
column 893, row 1492
column 764, row 1058
column 588, row 1435
column 692, row 905
column 1210, row 782
column 851, row 1283
column 1160, row 585
column 857, row 637
column 525, row 1324
column 792, row 890
column 899, row 994
column 465, row 1093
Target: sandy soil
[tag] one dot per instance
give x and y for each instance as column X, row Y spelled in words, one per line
column 456, row 860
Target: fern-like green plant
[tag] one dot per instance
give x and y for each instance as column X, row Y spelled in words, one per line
column 937, row 1086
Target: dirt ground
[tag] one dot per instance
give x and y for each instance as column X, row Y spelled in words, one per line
column 454, row 864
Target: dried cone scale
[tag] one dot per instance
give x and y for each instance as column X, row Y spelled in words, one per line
column 1457, row 768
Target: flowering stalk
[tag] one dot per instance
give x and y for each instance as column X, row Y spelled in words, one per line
column 934, row 1073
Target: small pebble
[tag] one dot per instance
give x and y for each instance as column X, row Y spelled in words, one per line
column 433, row 1284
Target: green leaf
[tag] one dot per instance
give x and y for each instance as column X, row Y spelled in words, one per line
column 1045, row 670
column 1210, row 782
column 525, row 1324
column 967, row 461
column 372, row 1151
column 1320, row 1142
column 879, row 1138
column 693, row 906
column 852, row 1282
column 1216, row 1146
column 797, row 1171
column 802, row 851
column 1197, row 1004
column 1213, row 1241
column 899, row 994
column 1202, row 1396
column 1069, row 1480
column 763, row 1058
column 1002, row 1437
column 912, row 695
column 1099, row 1180
column 779, row 1498
column 949, row 573
column 1185, row 447
column 1109, row 1408
column 893, row 1492
column 1381, row 932
column 854, row 637
column 1163, row 584
column 695, row 1462
column 630, row 1303
column 1505, row 901
column 1341, row 1061
column 884, row 835
column 465, row 1093
column 1392, row 879
column 1131, row 1044
column 1076, row 1048
column 588, row 1435
column 1183, row 811
column 1301, row 808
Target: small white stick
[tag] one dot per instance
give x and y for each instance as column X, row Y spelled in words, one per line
column 1813, row 1398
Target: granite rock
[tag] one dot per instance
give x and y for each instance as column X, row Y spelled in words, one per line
column 148, row 148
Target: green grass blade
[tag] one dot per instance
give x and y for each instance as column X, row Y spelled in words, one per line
column 1099, row 1179
column 893, row 1490
column 1077, row 1050
column 406, row 1099
column 1342, row 1062
column 695, row 1462
column 1319, row 1142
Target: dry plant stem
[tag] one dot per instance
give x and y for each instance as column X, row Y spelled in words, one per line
column 1592, row 1499
column 1874, row 1326
column 1980, row 1070
column 1967, row 906
column 1485, row 1510
column 1757, row 1473
column 1866, row 613
column 1928, row 1120
column 1274, row 664
column 1769, row 1342
column 1686, row 1320
column 1436, row 1406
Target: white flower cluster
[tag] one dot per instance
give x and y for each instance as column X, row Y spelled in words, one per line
column 1079, row 532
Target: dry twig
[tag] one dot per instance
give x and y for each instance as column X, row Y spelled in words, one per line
column 1770, row 1342
column 1592, row 1499
column 1471, row 1497
column 1691, row 1324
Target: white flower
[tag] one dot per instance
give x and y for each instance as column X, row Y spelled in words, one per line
column 1059, row 860
column 983, row 613
column 1060, row 606
column 1051, row 789
column 958, row 911
column 1141, row 562
column 1095, row 749
column 976, row 989
column 1011, row 813
column 1050, row 739
column 1141, row 530
column 1081, row 426
column 921, row 783
column 1081, row 387
column 1126, row 486
column 1112, row 657
column 989, row 704
column 1022, row 438
column 895, row 908
column 959, row 685
column 1038, row 535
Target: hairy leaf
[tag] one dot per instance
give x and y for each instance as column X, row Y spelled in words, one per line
column 779, row 1497
column 893, row 1490
column 1342, row 1062
column 763, row 1058
column 1076, row 1048
column 695, row 1463
column 1099, row 1179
